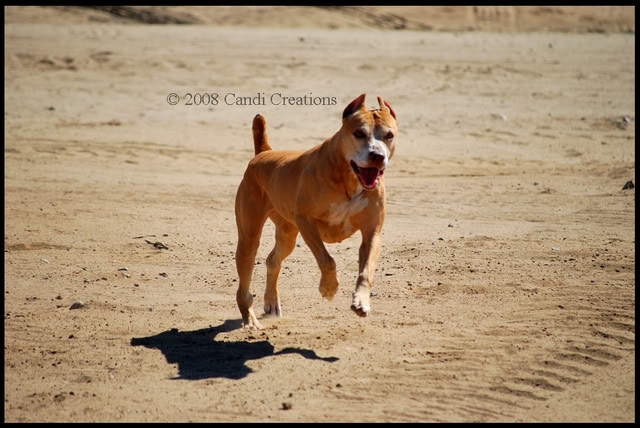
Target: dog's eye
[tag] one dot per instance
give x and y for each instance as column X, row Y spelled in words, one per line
column 359, row 134
column 388, row 136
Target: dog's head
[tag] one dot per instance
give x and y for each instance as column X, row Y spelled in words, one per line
column 368, row 139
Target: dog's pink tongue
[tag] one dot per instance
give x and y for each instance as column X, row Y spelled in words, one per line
column 369, row 175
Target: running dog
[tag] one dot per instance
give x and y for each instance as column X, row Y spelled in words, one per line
column 326, row 194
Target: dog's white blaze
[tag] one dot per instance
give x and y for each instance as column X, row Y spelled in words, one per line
column 377, row 144
column 361, row 158
column 340, row 213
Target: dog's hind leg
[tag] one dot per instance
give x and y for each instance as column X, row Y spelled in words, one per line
column 252, row 210
column 286, row 234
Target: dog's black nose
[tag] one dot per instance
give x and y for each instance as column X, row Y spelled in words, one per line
column 376, row 156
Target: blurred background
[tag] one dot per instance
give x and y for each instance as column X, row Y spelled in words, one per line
column 436, row 18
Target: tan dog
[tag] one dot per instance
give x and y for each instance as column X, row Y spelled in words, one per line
column 326, row 193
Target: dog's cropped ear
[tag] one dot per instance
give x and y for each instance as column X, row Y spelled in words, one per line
column 383, row 103
column 357, row 104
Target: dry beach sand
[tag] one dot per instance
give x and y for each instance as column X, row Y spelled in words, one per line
column 506, row 280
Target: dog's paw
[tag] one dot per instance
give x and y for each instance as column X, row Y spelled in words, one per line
column 328, row 285
column 328, row 290
column 251, row 322
column 360, row 304
column 272, row 309
column 252, row 325
column 328, row 293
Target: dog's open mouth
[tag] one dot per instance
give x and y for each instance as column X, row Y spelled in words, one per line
column 368, row 176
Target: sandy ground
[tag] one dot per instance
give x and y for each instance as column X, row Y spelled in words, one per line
column 505, row 284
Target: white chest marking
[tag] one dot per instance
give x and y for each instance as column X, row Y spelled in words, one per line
column 340, row 213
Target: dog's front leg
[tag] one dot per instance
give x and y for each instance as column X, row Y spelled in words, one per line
column 368, row 254
column 326, row 263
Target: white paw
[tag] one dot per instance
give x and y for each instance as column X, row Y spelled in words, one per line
column 362, row 311
column 252, row 322
column 272, row 310
column 360, row 305
column 253, row 326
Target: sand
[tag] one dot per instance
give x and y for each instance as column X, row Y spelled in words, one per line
column 506, row 280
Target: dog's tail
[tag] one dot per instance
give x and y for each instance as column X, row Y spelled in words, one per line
column 260, row 140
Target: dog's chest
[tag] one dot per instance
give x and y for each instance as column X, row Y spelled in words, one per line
column 340, row 213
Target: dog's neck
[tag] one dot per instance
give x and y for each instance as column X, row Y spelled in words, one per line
column 341, row 174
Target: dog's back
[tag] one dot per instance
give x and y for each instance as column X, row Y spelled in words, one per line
column 278, row 171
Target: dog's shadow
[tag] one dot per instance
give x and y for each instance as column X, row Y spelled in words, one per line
column 199, row 356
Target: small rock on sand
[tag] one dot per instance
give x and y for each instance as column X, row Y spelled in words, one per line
column 77, row 305
column 628, row 185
